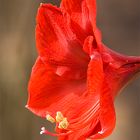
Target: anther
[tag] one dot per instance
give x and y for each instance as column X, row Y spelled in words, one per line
column 50, row 118
column 63, row 124
column 60, row 119
column 59, row 116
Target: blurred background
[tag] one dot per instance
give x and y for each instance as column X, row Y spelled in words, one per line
column 120, row 24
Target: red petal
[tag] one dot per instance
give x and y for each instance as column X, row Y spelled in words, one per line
column 83, row 15
column 106, row 117
column 79, row 12
column 95, row 74
column 55, row 41
column 107, row 114
column 51, row 92
column 91, row 4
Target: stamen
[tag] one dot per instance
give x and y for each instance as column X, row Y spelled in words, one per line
column 63, row 124
column 50, row 118
column 59, row 116
column 44, row 131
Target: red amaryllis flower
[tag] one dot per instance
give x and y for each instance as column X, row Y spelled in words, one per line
column 76, row 77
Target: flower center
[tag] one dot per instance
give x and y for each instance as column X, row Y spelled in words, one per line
column 61, row 123
column 60, row 119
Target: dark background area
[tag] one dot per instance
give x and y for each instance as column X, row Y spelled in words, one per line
column 119, row 22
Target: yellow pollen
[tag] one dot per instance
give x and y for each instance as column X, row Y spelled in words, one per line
column 50, row 118
column 63, row 124
column 59, row 116
column 60, row 119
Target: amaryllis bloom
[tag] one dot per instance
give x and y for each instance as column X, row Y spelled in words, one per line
column 76, row 78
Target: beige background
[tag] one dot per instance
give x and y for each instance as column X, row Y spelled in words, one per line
column 119, row 21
